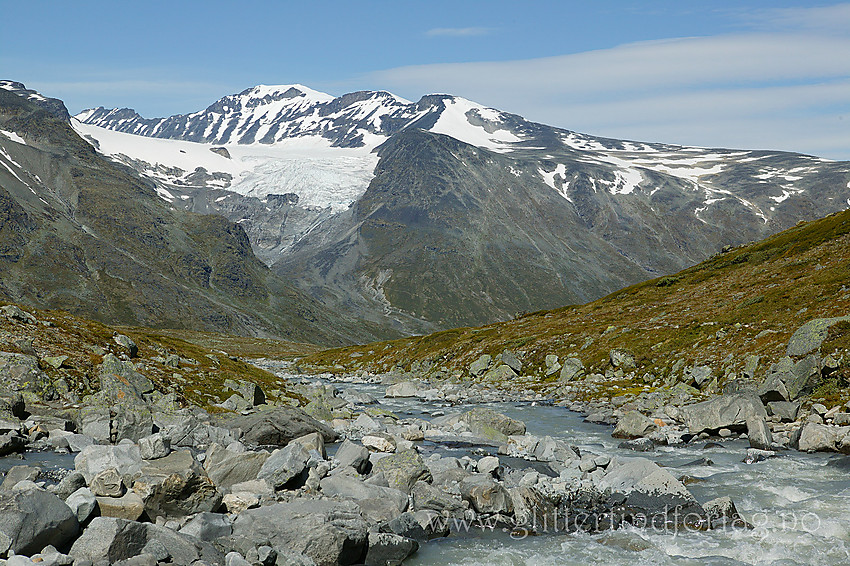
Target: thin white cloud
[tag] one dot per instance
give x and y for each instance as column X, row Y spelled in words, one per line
column 780, row 89
column 822, row 18
column 458, row 32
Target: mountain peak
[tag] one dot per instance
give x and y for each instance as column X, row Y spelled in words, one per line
column 52, row 105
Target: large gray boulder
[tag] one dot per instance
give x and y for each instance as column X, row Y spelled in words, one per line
column 403, row 469
column 634, row 425
column 125, row 458
column 331, row 533
column 647, row 489
column 479, row 366
column 208, row 526
column 176, row 486
column 402, row 389
column 727, row 411
column 192, row 432
column 285, row 465
column 485, row 495
column 34, row 518
column 811, row 335
column 110, row 539
column 482, row 420
column 812, row 437
column 278, row 426
column 378, row 503
column 226, row 468
column 121, row 383
column 354, row 455
column 759, row 434
column 572, row 368
column 389, row 549
column 426, row 496
column 83, row 503
column 804, row 378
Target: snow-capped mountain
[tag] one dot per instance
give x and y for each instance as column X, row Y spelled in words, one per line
column 308, row 176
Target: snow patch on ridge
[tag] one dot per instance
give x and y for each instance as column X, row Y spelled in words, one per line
column 454, row 122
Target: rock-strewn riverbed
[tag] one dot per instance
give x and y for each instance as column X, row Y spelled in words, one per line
column 395, row 468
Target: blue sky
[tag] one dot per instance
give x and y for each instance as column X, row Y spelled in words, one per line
column 722, row 73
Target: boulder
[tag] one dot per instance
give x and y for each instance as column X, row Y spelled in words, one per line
column 247, row 390
column 479, row 366
column 107, row 483
column 331, row 533
column 572, row 368
column 121, row 383
column 378, row 503
column 129, row 506
column 647, row 489
column 12, row 443
column 700, row 375
column 154, row 446
column 18, row 474
column 278, row 426
column 34, row 518
column 482, row 420
column 285, row 465
column 727, row 411
column 83, row 503
column 175, row 486
column 226, row 468
column 622, row 358
column 208, row 526
column 721, row 512
column 485, row 495
column 69, row 484
column 633, row 424
column 804, row 377
column 125, row 458
column 354, row 455
column 638, row 445
column 192, row 432
column 127, row 343
column 113, row 540
column 548, row 449
column 403, row 469
column 132, row 422
column 510, row 359
column 787, row 411
column 313, row 441
column 379, row 442
column 500, row 374
column 389, row 549
column 773, row 390
column 402, row 389
column 758, row 433
column 813, row 437
column 426, row 496
column 811, row 335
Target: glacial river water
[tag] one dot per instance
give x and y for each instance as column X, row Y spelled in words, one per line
column 798, row 503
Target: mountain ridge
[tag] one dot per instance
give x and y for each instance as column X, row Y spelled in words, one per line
column 638, row 209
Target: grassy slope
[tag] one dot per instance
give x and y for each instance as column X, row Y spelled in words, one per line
column 85, row 342
column 775, row 285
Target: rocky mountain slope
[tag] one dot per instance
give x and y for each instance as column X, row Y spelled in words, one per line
column 442, row 212
column 773, row 308
column 82, row 234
